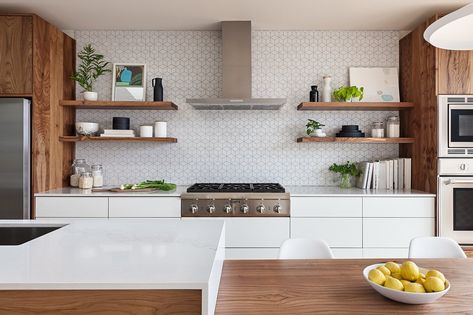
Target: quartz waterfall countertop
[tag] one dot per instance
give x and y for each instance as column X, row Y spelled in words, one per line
column 334, row 191
column 116, row 254
column 77, row 192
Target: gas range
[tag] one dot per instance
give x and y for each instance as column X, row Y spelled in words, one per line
column 235, row 200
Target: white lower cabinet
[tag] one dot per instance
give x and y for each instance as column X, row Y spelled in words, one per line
column 395, row 232
column 385, row 252
column 144, row 207
column 71, row 207
column 251, row 253
column 341, row 253
column 337, row 232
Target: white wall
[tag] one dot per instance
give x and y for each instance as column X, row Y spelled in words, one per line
column 244, row 145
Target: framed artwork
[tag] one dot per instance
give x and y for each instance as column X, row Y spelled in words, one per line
column 380, row 84
column 129, row 82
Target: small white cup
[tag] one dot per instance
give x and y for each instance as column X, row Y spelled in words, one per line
column 160, row 129
column 146, row 131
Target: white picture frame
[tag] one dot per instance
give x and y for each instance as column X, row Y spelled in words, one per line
column 381, row 84
column 129, row 82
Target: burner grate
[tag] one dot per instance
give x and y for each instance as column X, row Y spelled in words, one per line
column 237, row 187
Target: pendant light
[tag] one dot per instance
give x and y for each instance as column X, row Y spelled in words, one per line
column 453, row 31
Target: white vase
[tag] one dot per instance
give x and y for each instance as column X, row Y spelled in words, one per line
column 90, row 96
column 327, row 89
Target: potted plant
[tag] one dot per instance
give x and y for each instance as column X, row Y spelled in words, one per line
column 348, row 94
column 315, row 127
column 346, row 171
column 92, row 66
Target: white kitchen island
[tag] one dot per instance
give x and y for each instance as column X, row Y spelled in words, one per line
column 96, row 256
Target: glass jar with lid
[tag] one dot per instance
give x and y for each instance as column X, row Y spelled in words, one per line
column 86, row 181
column 79, row 166
column 377, row 130
column 97, row 174
column 393, row 127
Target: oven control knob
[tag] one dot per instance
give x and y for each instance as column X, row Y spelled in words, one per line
column 260, row 208
column 194, row 208
column 277, row 208
column 244, row 208
column 227, row 208
column 211, row 209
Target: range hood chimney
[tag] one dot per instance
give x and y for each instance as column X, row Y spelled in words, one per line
column 236, row 37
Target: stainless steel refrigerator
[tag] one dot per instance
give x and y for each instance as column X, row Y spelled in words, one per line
column 15, row 161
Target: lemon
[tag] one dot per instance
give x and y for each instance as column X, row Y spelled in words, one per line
column 409, row 271
column 393, row 283
column 384, row 270
column 396, row 275
column 393, row 267
column 421, row 275
column 377, row 276
column 434, row 284
column 414, row 287
column 435, row 273
column 404, row 282
column 420, row 280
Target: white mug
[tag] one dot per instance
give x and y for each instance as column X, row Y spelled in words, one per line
column 160, row 129
column 146, row 131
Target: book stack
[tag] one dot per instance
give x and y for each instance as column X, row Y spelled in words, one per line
column 385, row 174
column 118, row 133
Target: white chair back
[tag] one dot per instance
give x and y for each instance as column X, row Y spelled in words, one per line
column 299, row 248
column 435, row 247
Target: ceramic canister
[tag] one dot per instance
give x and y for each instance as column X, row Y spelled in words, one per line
column 160, row 129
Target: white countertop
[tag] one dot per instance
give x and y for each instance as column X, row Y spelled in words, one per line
column 331, row 191
column 77, row 192
column 295, row 191
column 116, row 254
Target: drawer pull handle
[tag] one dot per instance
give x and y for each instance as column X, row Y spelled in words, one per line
column 459, row 181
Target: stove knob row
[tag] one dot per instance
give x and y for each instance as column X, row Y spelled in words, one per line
column 227, row 208
column 244, row 208
column 194, row 208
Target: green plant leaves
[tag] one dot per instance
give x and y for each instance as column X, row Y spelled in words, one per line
column 312, row 125
column 92, row 66
column 348, row 168
column 347, row 93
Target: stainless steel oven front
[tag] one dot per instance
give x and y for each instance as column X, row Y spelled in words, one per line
column 455, row 208
column 455, row 122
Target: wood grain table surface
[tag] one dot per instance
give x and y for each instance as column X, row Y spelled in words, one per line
column 331, row 287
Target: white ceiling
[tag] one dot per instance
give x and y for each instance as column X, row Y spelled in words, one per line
column 205, row 14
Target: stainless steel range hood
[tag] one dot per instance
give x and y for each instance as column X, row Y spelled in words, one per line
column 236, row 37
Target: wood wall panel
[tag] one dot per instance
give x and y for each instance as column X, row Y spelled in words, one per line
column 418, row 84
column 100, row 302
column 16, row 38
column 53, row 58
column 455, row 72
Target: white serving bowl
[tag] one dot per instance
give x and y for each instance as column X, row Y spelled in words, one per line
column 87, row 128
column 405, row 297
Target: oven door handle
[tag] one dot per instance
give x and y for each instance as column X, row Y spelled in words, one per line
column 459, row 181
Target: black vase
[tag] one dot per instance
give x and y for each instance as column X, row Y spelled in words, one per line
column 158, row 89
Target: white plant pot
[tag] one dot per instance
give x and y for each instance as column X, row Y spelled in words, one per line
column 90, row 96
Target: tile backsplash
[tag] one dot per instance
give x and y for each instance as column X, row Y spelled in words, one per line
column 236, row 146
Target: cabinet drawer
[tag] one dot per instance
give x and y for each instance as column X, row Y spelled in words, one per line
column 337, row 232
column 385, row 252
column 144, row 207
column 253, row 232
column 455, row 166
column 326, row 207
column 400, row 207
column 347, row 253
column 251, row 253
column 395, row 232
column 71, row 207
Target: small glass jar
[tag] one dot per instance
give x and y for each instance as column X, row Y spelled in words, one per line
column 377, row 130
column 393, row 127
column 97, row 174
column 78, row 167
column 86, row 181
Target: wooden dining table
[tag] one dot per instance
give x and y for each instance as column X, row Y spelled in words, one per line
column 334, row 286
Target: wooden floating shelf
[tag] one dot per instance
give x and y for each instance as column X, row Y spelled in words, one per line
column 356, row 140
column 118, row 105
column 120, row 139
column 362, row 106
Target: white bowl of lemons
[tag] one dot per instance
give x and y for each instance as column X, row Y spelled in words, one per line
column 406, row 282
